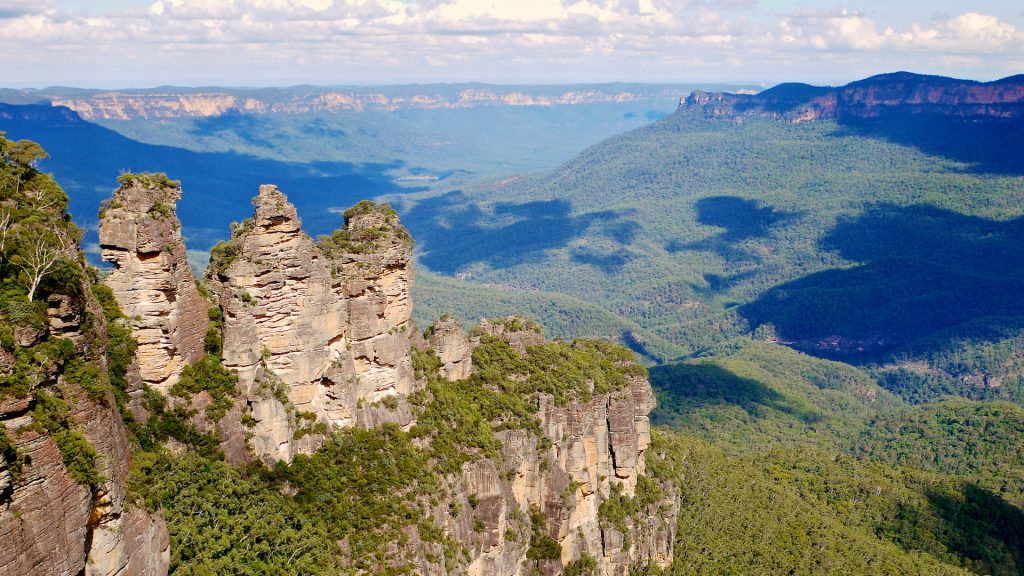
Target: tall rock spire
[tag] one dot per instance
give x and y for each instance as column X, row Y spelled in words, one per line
column 313, row 330
column 141, row 236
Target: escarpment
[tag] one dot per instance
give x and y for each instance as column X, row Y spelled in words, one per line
column 901, row 93
column 552, row 497
column 141, row 236
column 537, row 451
column 64, row 447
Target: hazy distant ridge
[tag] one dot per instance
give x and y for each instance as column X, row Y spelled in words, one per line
column 171, row 102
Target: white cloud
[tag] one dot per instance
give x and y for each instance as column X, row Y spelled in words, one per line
column 522, row 40
column 18, row 8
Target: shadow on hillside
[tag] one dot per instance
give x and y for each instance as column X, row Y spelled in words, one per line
column 982, row 527
column 246, row 127
column 922, row 269
column 455, row 232
column 683, row 388
column 740, row 219
column 991, row 146
column 86, row 160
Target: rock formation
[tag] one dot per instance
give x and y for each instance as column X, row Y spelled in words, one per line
column 112, row 105
column 878, row 96
column 320, row 336
column 141, row 236
column 52, row 521
column 453, row 347
column 590, row 451
column 313, row 330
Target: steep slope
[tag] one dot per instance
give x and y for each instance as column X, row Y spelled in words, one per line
column 64, row 508
column 329, row 321
column 141, row 236
column 810, row 511
column 900, row 93
column 172, row 102
column 822, row 233
column 797, row 449
column 750, row 395
column 979, row 441
column 497, row 454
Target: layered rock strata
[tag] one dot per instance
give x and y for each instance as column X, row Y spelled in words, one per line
column 878, row 96
column 141, row 236
column 589, row 452
column 168, row 104
column 319, row 333
column 49, row 522
column 312, row 330
column 453, row 347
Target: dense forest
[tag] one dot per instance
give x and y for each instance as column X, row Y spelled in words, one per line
column 810, row 460
column 783, row 462
column 874, row 243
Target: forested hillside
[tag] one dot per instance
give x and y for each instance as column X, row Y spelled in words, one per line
column 893, row 241
column 806, row 464
column 830, row 312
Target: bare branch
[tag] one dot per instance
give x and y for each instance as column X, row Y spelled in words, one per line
column 40, row 259
column 6, row 222
column 42, row 202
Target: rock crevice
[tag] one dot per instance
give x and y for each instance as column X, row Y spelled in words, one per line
column 313, row 328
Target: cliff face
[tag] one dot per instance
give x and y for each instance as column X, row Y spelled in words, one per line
column 899, row 93
column 64, row 467
column 312, row 332
column 319, row 334
column 590, row 452
column 167, row 104
column 141, row 236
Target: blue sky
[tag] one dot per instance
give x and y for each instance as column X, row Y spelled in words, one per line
column 131, row 43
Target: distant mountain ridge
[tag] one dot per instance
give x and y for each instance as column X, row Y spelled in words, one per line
column 174, row 102
column 899, row 92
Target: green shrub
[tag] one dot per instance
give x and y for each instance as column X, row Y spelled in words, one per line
column 89, row 377
column 50, row 415
column 213, row 342
column 10, row 454
column 542, row 546
column 165, row 423
column 209, row 375
column 585, row 566
column 223, row 254
column 149, row 180
column 79, row 457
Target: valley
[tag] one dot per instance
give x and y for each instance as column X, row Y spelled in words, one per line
column 773, row 333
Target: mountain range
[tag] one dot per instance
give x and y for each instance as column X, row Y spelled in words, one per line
column 813, row 295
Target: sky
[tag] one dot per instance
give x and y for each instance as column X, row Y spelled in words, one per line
column 145, row 43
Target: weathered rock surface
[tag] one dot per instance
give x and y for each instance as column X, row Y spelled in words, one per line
column 313, row 329
column 49, row 522
column 594, row 445
column 902, row 93
column 319, row 334
column 453, row 347
column 112, row 105
column 152, row 281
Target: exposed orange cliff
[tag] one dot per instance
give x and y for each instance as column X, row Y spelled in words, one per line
column 900, row 92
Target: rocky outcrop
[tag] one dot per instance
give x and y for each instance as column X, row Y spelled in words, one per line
column 878, row 96
column 52, row 520
column 313, row 331
column 151, row 278
column 447, row 339
column 591, row 452
column 319, row 334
